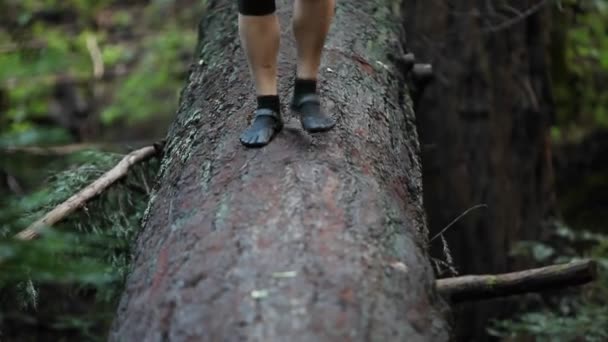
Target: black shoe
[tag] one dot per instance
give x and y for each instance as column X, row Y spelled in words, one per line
column 312, row 117
column 266, row 124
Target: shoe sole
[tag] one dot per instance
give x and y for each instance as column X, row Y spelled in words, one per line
column 319, row 130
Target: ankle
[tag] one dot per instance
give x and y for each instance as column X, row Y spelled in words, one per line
column 304, row 87
column 269, row 102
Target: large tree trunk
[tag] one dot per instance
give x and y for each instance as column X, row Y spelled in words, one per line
column 309, row 239
column 484, row 126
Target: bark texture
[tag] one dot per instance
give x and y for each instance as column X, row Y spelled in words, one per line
column 313, row 238
column 487, row 139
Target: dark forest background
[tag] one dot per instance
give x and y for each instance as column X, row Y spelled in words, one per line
column 516, row 119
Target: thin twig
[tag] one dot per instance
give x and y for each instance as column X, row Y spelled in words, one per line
column 508, row 23
column 458, row 218
column 81, row 198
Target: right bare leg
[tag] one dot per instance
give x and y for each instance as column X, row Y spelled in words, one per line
column 260, row 34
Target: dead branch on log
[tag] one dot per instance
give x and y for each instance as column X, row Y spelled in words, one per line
column 81, row 198
column 478, row 287
column 422, row 74
column 404, row 62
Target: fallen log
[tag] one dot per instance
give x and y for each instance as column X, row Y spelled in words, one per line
column 312, row 238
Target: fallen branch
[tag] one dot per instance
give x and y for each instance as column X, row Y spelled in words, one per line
column 50, row 150
column 62, row 150
column 478, row 287
column 81, row 198
column 12, row 47
column 109, row 74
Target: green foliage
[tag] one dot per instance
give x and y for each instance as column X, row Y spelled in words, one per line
column 68, row 280
column 144, row 53
column 580, row 68
column 584, row 325
column 146, row 92
column 87, row 252
column 52, row 259
column 573, row 315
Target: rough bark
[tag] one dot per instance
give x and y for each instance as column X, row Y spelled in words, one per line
column 487, row 139
column 313, row 238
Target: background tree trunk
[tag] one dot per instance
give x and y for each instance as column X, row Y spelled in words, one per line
column 310, row 239
column 484, row 126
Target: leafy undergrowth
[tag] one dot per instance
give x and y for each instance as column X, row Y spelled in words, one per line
column 67, row 282
column 580, row 68
column 75, row 71
column 88, row 69
column 578, row 314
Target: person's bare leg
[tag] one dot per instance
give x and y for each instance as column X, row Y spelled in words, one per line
column 260, row 34
column 260, row 37
column 311, row 23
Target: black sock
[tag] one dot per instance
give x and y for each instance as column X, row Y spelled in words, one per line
column 304, row 87
column 269, row 102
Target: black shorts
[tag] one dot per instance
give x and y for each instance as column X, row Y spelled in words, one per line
column 257, row 7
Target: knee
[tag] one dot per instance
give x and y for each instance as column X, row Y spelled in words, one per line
column 256, row 7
